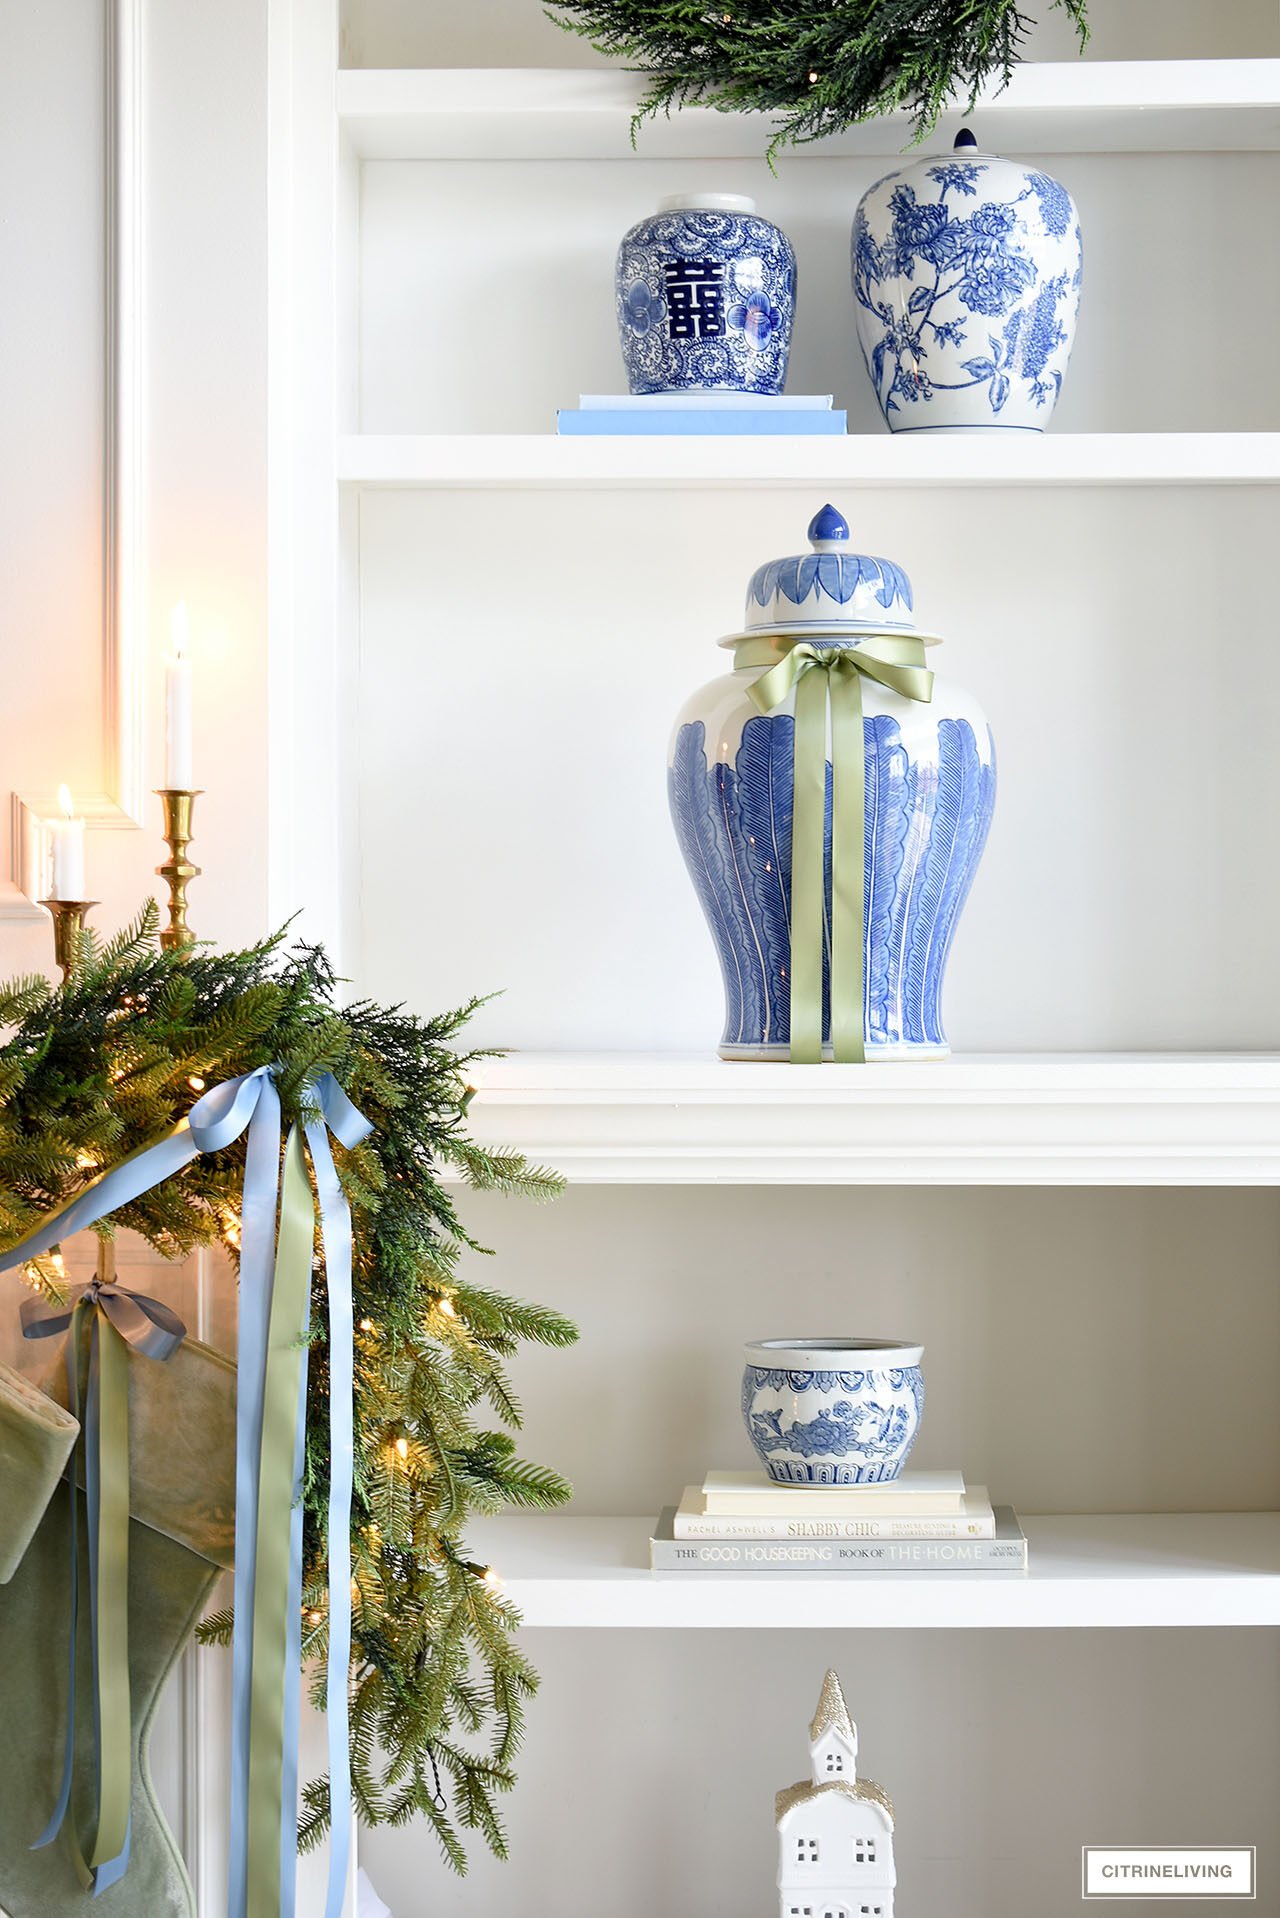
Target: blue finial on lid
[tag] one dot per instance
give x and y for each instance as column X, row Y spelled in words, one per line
column 964, row 139
column 828, row 524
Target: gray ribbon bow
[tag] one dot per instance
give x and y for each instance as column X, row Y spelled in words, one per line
column 147, row 1324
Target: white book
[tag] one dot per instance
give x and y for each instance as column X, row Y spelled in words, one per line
column 975, row 1519
column 757, row 1496
column 1005, row 1552
column 704, row 402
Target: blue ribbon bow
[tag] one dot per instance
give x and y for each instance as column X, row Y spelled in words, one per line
column 218, row 1118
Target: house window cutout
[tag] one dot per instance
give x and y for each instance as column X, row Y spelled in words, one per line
column 835, row 1762
column 806, row 1851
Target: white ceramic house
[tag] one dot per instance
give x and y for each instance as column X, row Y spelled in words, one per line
column 835, row 1830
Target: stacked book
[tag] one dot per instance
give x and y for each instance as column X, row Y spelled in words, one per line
column 705, row 412
column 922, row 1521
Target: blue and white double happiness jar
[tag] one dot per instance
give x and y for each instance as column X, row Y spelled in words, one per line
column 706, row 294
column 966, row 281
column 921, row 801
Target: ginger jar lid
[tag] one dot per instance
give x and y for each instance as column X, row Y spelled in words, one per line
column 830, row 593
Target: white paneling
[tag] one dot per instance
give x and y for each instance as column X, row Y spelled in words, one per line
column 523, row 659
column 487, row 289
column 207, row 453
column 652, row 1760
column 51, row 403
column 1072, row 1360
column 493, row 33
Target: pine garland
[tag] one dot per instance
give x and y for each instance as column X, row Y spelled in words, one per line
column 111, row 1061
column 822, row 65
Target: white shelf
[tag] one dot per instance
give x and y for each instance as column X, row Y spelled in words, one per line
column 545, row 114
column 1202, row 1569
column 1022, row 1119
column 941, row 459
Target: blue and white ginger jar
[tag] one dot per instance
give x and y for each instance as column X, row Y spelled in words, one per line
column 966, row 281
column 706, row 294
column 930, row 782
column 831, row 1411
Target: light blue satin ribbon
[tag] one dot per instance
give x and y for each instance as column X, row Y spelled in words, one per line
column 215, row 1121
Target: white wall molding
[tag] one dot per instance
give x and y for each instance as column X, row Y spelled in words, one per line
column 120, row 804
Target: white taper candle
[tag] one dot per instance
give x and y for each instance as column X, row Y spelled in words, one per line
column 177, row 707
column 67, row 837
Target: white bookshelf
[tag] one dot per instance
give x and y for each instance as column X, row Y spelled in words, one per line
column 529, row 114
column 858, row 460
column 1199, row 1570
column 466, row 598
column 1102, row 1120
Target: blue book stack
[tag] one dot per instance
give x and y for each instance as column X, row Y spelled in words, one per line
column 707, row 412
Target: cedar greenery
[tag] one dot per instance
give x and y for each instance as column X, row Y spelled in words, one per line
column 95, row 1069
column 820, row 65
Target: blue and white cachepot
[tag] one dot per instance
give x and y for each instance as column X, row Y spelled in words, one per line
column 706, row 293
column 826, row 1411
column 929, row 790
column 966, row 281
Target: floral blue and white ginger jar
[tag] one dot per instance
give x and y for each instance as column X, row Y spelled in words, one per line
column 928, row 793
column 966, row 281
column 833, row 1411
column 706, row 294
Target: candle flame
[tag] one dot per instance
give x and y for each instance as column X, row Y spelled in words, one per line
column 179, row 630
column 66, row 802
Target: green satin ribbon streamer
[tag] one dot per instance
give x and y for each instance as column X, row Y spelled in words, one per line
column 285, row 1375
column 111, row 1620
column 829, row 678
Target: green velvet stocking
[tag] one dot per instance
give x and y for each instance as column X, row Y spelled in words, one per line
column 182, row 1450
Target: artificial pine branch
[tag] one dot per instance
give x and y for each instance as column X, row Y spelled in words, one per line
column 110, row 1062
column 817, row 66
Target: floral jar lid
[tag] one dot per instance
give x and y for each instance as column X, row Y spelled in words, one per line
column 830, row 593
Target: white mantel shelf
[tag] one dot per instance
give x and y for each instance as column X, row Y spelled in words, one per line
column 858, row 459
column 1142, row 106
column 1210, row 1569
column 1016, row 1119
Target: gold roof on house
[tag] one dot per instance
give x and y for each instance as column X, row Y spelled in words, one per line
column 801, row 1793
column 832, row 1713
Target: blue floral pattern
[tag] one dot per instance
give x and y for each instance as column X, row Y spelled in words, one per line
column 757, row 317
column 833, row 1427
column 966, row 279
column 926, row 826
column 642, row 308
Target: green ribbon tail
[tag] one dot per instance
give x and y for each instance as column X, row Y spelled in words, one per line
column 808, row 878
column 286, row 1358
column 848, row 879
column 822, row 677
column 110, row 1359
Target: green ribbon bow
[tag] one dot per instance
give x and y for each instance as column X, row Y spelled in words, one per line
column 830, row 678
column 116, row 1318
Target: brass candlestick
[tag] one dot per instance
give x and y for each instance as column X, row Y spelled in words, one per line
column 68, row 924
column 177, row 870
